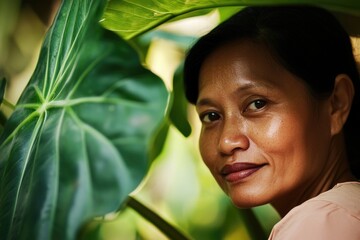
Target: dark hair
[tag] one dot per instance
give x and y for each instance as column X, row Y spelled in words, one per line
column 308, row 41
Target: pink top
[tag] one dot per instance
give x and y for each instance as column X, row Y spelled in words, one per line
column 334, row 214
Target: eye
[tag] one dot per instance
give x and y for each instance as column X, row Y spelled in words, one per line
column 209, row 117
column 256, row 105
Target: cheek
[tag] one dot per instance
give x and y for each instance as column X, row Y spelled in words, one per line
column 284, row 141
column 273, row 129
column 279, row 139
column 206, row 147
column 209, row 155
column 273, row 133
column 208, row 150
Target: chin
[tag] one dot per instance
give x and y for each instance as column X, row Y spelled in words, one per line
column 247, row 201
column 247, row 204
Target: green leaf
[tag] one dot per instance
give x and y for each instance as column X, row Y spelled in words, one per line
column 227, row 12
column 178, row 112
column 143, row 42
column 159, row 140
column 179, row 104
column 144, row 15
column 77, row 142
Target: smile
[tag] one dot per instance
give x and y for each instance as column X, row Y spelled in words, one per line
column 239, row 171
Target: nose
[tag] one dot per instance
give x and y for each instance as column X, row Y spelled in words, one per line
column 233, row 137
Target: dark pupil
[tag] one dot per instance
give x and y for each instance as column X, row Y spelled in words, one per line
column 259, row 104
column 213, row 116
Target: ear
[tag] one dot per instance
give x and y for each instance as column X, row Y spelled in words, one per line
column 341, row 99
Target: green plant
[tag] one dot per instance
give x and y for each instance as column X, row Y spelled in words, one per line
column 77, row 142
column 85, row 129
column 146, row 15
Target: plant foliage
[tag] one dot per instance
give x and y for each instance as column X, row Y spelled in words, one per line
column 82, row 132
column 145, row 15
column 77, row 142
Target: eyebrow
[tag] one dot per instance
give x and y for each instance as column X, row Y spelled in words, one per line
column 244, row 87
column 203, row 102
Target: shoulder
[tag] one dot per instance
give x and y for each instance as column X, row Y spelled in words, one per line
column 345, row 195
column 334, row 214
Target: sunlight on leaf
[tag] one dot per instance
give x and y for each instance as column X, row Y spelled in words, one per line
column 144, row 15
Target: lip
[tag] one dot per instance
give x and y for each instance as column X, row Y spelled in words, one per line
column 239, row 171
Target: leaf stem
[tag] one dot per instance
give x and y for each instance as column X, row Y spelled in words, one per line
column 156, row 220
column 252, row 224
column 8, row 104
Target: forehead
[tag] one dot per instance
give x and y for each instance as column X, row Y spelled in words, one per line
column 245, row 58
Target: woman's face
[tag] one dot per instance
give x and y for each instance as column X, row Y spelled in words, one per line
column 264, row 137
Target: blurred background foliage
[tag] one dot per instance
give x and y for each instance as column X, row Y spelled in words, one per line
column 178, row 186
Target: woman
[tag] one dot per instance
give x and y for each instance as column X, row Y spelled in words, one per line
column 276, row 90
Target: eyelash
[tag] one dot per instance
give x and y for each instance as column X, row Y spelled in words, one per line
column 257, row 101
column 217, row 116
column 207, row 114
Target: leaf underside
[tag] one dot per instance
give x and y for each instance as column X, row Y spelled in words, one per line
column 144, row 15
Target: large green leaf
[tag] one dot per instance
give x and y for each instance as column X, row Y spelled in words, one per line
column 77, row 142
column 144, row 15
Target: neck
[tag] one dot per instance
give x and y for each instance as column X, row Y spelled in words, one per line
column 336, row 171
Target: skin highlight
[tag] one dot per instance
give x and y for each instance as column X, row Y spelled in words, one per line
column 264, row 137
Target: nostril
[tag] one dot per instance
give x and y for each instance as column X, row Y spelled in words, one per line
column 234, row 142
